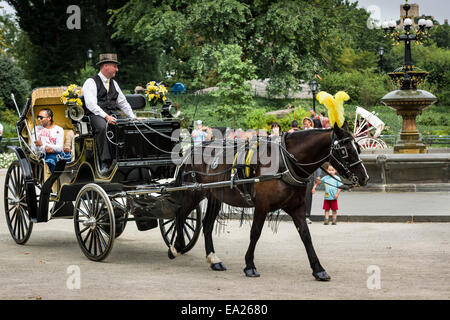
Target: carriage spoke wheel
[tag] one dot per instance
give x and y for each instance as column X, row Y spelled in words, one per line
column 191, row 229
column 16, row 207
column 94, row 222
column 369, row 143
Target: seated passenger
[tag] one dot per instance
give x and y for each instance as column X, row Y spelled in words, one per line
column 50, row 137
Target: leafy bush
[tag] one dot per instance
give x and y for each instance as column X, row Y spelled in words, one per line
column 365, row 88
column 257, row 119
column 8, row 119
column 6, row 159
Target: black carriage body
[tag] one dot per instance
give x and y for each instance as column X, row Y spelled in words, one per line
column 147, row 142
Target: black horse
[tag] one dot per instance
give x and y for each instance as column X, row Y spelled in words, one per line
column 305, row 151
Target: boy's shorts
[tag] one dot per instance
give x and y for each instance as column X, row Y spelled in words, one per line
column 330, row 204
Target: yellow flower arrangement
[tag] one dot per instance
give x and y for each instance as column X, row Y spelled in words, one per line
column 72, row 95
column 155, row 92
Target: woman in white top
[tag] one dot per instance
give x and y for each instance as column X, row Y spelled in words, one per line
column 50, row 138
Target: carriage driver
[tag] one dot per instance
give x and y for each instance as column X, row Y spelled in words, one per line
column 103, row 99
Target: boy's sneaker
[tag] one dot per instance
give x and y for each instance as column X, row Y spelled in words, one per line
column 308, row 221
column 325, row 222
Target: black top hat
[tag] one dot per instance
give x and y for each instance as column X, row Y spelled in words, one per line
column 108, row 58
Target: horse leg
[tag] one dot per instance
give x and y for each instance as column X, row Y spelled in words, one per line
column 258, row 223
column 180, row 219
column 298, row 216
column 212, row 211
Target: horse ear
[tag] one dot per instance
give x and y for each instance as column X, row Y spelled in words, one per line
column 345, row 126
column 340, row 131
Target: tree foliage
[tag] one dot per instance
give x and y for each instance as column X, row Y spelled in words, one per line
column 234, row 93
column 12, row 81
column 286, row 40
column 55, row 54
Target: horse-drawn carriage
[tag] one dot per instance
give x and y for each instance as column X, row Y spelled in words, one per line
column 100, row 206
column 367, row 130
column 146, row 184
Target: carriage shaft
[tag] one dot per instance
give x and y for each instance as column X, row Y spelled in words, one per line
column 200, row 186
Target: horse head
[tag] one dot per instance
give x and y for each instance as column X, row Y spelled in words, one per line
column 345, row 156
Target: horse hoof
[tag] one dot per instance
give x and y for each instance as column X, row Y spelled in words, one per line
column 170, row 255
column 322, row 276
column 251, row 272
column 218, row 266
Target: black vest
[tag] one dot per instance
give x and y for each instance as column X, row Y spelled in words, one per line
column 106, row 100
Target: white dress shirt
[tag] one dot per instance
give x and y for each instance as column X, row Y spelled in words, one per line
column 90, row 98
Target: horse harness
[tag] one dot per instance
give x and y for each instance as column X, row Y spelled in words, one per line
column 242, row 169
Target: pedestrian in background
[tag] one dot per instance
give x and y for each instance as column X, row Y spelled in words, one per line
column 294, row 126
column 307, row 123
column 201, row 133
column 275, row 129
column 332, row 182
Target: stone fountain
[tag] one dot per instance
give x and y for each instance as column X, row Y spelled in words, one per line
column 408, row 101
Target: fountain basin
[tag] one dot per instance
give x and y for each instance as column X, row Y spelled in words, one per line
column 409, row 104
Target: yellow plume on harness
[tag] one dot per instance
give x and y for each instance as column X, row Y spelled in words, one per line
column 335, row 106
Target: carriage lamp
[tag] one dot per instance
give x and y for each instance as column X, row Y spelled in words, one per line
column 313, row 85
column 407, row 76
column 90, row 53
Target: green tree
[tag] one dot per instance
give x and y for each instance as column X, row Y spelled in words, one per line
column 351, row 60
column 234, row 93
column 441, row 35
column 55, row 54
column 286, row 40
column 12, row 81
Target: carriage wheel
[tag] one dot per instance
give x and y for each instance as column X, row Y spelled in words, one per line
column 94, row 222
column 192, row 227
column 120, row 214
column 16, row 207
column 368, row 143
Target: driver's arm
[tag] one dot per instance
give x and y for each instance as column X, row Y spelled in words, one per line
column 123, row 104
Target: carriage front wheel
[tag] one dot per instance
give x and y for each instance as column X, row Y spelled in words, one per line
column 94, row 222
column 192, row 228
column 16, row 206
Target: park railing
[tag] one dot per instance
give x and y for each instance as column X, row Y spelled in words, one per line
column 429, row 140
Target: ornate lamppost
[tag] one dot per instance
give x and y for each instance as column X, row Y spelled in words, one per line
column 90, row 53
column 381, row 53
column 313, row 85
column 408, row 101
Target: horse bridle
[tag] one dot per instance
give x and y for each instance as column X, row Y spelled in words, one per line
column 339, row 146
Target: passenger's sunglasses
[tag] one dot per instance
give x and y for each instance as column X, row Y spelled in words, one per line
column 41, row 117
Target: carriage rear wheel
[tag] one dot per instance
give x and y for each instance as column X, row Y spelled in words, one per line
column 16, row 207
column 192, row 227
column 94, row 222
